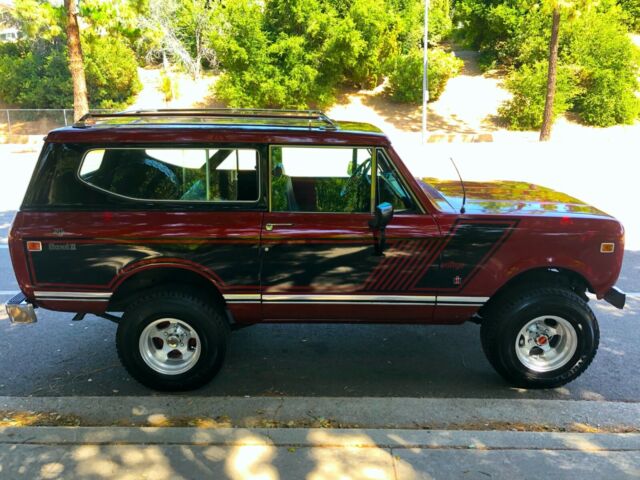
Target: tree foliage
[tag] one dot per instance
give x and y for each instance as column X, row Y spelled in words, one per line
column 631, row 9
column 595, row 50
column 528, row 85
column 34, row 72
column 296, row 53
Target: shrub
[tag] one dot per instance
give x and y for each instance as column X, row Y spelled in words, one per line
column 598, row 42
column 524, row 111
column 405, row 81
column 34, row 79
column 111, row 70
column 631, row 10
column 507, row 33
column 39, row 77
column 167, row 86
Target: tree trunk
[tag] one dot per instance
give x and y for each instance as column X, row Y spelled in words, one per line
column 76, row 61
column 547, row 122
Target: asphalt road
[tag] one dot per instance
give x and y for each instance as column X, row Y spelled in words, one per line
column 59, row 357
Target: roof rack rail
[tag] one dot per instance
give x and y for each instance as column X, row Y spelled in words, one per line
column 280, row 118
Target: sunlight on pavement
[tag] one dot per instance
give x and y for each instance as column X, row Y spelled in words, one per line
column 252, row 461
column 122, row 462
column 51, row 470
column 349, row 461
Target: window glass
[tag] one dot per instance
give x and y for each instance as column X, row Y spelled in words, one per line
column 317, row 179
column 190, row 174
column 390, row 188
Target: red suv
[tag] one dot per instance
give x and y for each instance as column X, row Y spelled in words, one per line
column 183, row 225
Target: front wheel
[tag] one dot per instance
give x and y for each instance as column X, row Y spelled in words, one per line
column 541, row 337
column 171, row 339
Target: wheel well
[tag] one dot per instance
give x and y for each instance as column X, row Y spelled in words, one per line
column 133, row 286
column 542, row 277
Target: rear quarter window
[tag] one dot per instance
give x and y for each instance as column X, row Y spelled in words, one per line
column 174, row 174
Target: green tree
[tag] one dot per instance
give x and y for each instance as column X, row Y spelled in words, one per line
column 593, row 44
column 34, row 72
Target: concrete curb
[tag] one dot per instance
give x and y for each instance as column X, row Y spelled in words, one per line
column 322, row 438
column 446, row 413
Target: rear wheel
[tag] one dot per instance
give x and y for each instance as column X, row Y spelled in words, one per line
column 171, row 339
column 540, row 337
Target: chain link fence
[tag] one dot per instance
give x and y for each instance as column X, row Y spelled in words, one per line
column 33, row 121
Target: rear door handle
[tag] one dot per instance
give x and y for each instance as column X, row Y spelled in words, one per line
column 270, row 226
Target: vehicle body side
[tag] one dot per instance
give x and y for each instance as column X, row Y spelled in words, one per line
column 439, row 266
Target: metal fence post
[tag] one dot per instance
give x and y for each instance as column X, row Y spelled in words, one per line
column 64, row 114
column 8, row 121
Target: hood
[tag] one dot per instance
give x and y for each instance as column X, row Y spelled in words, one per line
column 504, row 197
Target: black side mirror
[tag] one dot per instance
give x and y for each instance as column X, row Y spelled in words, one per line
column 381, row 218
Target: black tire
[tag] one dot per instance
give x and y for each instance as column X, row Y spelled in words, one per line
column 189, row 309
column 504, row 319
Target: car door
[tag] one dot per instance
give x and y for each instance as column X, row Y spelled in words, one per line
column 319, row 260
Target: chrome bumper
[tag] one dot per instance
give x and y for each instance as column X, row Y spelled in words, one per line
column 616, row 297
column 20, row 311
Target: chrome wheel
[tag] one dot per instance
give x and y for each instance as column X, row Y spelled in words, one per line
column 546, row 343
column 170, row 346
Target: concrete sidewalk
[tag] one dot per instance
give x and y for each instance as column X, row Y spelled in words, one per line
column 163, row 453
column 388, row 438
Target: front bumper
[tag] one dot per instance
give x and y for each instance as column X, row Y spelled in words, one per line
column 20, row 311
column 616, row 297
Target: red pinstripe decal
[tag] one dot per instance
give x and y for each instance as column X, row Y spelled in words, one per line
column 413, row 261
column 374, row 276
column 389, row 265
column 412, row 247
column 430, row 257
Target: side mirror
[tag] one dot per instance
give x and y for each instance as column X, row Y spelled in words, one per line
column 381, row 218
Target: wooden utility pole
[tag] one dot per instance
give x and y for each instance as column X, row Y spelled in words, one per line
column 76, row 61
column 547, row 122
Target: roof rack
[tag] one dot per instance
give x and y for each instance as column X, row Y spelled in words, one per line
column 217, row 116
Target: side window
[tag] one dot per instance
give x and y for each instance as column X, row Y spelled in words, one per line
column 190, row 174
column 390, row 188
column 320, row 179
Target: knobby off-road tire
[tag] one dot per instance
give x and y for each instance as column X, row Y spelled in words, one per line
column 540, row 337
column 172, row 339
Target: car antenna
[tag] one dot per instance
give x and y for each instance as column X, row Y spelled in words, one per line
column 464, row 191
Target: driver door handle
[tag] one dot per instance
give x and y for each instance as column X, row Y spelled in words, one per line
column 270, row 226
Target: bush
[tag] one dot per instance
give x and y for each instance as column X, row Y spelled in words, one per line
column 631, row 10
column 111, row 71
column 34, row 79
column 594, row 47
column 507, row 33
column 297, row 53
column 37, row 76
column 529, row 88
column 167, row 86
column 405, row 81
column 598, row 42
